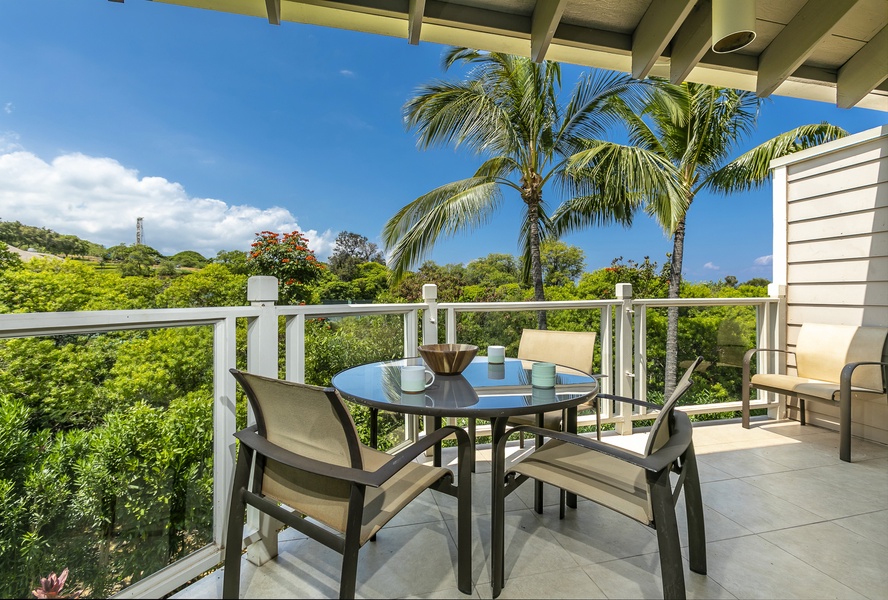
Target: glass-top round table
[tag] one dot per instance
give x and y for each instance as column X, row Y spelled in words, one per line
column 483, row 390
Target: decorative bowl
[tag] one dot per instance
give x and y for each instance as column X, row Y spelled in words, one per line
column 448, row 359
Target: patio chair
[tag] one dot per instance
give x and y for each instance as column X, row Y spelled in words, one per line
column 340, row 492
column 637, row 485
column 835, row 364
column 571, row 349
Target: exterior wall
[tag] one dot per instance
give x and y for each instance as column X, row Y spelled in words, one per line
column 831, row 250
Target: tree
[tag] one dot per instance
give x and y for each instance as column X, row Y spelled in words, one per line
column 351, row 250
column 680, row 144
column 561, row 263
column 233, row 260
column 287, row 257
column 8, row 258
column 508, row 110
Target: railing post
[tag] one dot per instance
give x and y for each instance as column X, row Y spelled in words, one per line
column 430, row 315
column 262, row 359
column 623, row 378
column 774, row 323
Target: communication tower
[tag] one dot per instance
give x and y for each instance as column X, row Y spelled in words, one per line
column 138, row 231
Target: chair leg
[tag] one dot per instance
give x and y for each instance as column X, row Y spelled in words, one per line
column 694, row 513
column 498, row 516
column 744, row 396
column 349, row 576
column 802, row 411
column 466, row 464
column 671, row 569
column 845, row 424
column 234, row 538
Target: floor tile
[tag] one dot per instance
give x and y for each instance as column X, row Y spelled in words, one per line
column 754, row 508
column 844, row 555
column 752, row 567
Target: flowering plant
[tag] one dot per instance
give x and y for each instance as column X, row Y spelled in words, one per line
column 51, row 587
column 287, row 257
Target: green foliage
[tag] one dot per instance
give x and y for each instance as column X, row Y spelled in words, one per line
column 562, row 264
column 41, row 239
column 233, row 260
column 8, row 258
column 188, row 258
column 287, row 257
column 349, row 252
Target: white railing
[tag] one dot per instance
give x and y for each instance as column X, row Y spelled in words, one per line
column 622, row 322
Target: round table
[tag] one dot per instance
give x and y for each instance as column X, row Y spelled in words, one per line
column 482, row 391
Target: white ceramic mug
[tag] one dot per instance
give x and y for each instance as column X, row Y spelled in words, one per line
column 543, row 374
column 415, row 378
column 496, row 355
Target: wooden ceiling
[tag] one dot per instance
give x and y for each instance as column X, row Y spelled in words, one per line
column 829, row 50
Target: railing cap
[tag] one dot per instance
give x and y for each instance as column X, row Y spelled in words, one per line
column 262, row 288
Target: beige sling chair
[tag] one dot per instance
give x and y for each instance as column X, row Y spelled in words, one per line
column 636, row 485
column 340, row 492
column 835, row 365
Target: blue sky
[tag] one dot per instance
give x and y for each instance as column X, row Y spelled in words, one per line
column 213, row 126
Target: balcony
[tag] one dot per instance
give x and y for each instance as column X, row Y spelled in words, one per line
column 776, row 496
column 780, row 523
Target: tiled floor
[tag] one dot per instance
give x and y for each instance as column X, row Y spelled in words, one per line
column 784, row 519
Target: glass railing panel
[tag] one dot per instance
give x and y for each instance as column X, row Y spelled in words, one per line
column 333, row 344
column 106, row 466
column 720, row 334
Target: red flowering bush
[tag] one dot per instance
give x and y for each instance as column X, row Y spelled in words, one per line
column 287, row 257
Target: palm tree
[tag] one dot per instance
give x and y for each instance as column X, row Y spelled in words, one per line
column 694, row 130
column 508, row 110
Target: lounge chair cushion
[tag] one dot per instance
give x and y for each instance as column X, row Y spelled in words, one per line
column 811, row 388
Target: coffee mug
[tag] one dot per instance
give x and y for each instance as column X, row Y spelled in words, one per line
column 415, row 378
column 543, row 374
column 496, row 354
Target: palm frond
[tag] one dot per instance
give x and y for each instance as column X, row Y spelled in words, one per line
column 455, row 207
column 751, row 169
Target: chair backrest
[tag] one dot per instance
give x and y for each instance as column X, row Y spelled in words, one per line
column 574, row 349
column 312, row 422
column 661, row 430
column 823, row 350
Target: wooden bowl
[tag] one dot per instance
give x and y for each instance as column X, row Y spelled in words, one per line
column 448, row 359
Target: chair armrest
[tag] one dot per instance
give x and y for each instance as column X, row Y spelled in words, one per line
column 655, row 462
column 631, row 401
column 749, row 353
column 405, row 456
column 252, row 439
column 848, row 371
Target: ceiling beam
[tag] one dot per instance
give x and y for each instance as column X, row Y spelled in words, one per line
column 654, row 33
column 797, row 41
column 691, row 42
column 546, row 16
column 863, row 72
column 414, row 20
column 273, row 8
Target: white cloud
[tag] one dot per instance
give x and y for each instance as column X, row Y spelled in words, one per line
column 9, row 142
column 711, row 266
column 98, row 199
column 7, row 108
column 346, row 73
column 764, row 260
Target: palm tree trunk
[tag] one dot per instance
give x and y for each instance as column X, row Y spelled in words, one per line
column 672, row 312
column 536, row 262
